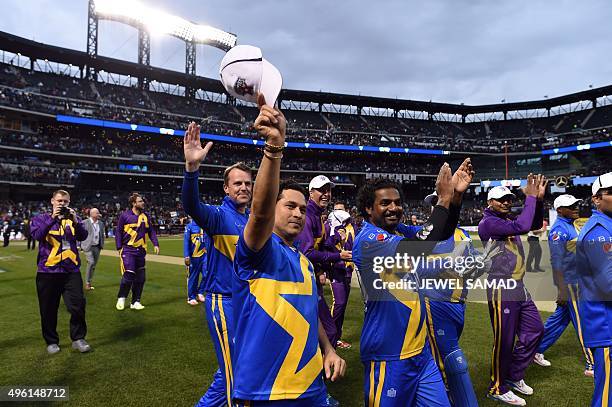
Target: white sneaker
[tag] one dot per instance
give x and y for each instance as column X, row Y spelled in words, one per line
column 192, row 301
column 509, row 398
column 137, row 306
column 521, row 387
column 201, row 298
column 120, row 303
column 589, row 373
column 539, row 359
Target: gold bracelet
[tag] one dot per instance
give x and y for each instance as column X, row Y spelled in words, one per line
column 271, row 148
column 271, row 157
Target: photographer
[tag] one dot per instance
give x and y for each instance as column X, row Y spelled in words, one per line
column 59, row 271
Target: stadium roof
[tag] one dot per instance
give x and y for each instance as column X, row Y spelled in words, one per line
column 37, row 50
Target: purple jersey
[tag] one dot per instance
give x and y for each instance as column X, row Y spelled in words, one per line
column 57, row 251
column 335, row 244
column 132, row 230
column 310, row 241
column 511, row 262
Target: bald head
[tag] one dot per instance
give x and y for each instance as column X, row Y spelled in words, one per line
column 94, row 213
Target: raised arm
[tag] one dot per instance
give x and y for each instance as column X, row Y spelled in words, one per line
column 271, row 125
column 461, row 182
column 202, row 214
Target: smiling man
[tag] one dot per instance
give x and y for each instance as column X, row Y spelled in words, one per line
column 311, row 242
column 223, row 224
column 517, row 327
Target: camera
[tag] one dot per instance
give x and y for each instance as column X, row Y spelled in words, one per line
column 64, row 212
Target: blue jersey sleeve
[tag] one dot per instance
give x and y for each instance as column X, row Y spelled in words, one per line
column 597, row 246
column 248, row 261
column 208, row 217
column 556, row 241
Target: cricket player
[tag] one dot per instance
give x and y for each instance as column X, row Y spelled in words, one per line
column 223, row 224
column 517, row 327
column 195, row 247
column 445, row 309
column 594, row 266
column 277, row 359
column 399, row 366
column 340, row 234
column 311, row 241
column 562, row 242
column 133, row 226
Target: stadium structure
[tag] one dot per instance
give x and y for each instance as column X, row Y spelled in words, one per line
column 102, row 127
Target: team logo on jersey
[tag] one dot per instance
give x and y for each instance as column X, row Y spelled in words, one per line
column 380, row 237
column 441, row 332
column 371, row 236
column 241, row 87
column 459, row 360
column 506, row 311
column 556, row 236
column 391, row 393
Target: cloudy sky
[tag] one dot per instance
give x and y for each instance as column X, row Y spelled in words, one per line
column 471, row 51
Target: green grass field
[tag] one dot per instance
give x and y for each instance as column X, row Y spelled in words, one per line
column 163, row 356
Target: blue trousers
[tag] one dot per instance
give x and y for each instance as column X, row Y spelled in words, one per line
column 415, row 381
column 601, row 394
column 195, row 282
column 318, row 401
column 560, row 319
column 219, row 316
column 445, row 322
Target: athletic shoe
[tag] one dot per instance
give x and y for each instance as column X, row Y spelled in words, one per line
column 521, row 387
column 343, row 345
column 332, row 402
column 509, row 398
column 120, row 303
column 192, row 301
column 588, row 372
column 539, row 359
column 201, row 298
column 53, row 349
column 137, row 306
column 81, row 345
column 89, row 287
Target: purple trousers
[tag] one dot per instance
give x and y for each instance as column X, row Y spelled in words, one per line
column 326, row 319
column 340, row 293
column 517, row 332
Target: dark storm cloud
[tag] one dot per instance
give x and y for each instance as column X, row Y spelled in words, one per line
column 453, row 51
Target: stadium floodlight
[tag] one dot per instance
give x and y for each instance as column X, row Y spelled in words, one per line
column 159, row 22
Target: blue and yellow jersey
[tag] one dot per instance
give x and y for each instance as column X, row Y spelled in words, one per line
column 195, row 241
column 394, row 323
column 562, row 243
column 223, row 224
column 594, row 269
column 441, row 250
column 276, row 346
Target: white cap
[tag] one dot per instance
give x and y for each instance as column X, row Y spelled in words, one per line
column 565, row 200
column 319, row 181
column 602, row 182
column 244, row 72
column 429, row 198
column 499, row 192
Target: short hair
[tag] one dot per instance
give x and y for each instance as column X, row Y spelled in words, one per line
column 340, row 203
column 240, row 166
column 133, row 197
column 601, row 191
column 60, row 192
column 290, row 184
column 367, row 193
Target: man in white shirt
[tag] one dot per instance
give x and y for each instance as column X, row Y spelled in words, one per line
column 93, row 244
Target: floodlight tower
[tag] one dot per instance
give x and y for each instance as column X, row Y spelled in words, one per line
column 148, row 21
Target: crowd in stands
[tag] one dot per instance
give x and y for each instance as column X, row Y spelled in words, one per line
column 58, row 94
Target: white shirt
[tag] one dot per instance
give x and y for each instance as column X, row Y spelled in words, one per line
column 96, row 233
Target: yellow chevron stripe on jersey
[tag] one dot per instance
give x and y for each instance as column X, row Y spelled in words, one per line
column 269, row 294
column 226, row 245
